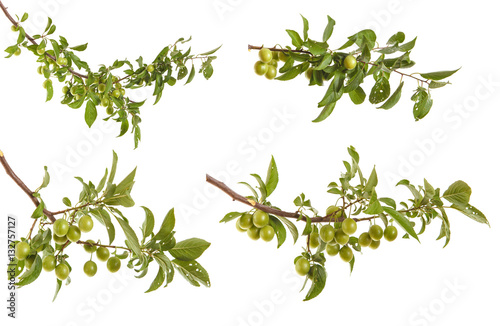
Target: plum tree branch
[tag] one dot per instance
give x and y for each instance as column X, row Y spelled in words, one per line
column 271, row 210
column 23, row 186
column 275, row 49
column 32, row 40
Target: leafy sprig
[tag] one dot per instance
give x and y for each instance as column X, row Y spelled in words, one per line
column 356, row 198
column 328, row 65
column 104, row 202
column 87, row 88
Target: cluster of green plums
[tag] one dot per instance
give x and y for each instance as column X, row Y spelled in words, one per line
column 337, row 239
column 63, row 232
column 99, row 88
column 256, row 225
column 102, row 253
column 268, row 63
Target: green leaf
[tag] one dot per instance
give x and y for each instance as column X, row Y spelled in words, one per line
column 101, row 184
column 352, row 152
column 189, row 249
column 49, row 23
column 191, row 75
column 308, row 227
column 81, row 47
column 423, row 103
column 50, row 92
column 326, row 112
column 58, row 287
column 435, row 84
column 148, row 224
column 126, row 184
column 251, row 188
column 290, row 74
column 133, row 241
column 388, row 201
column 357, row 96
column 325, row 62
column 158, row 281
column 193, row 272
column 429, row 190
column 66, row 201
column 211, row 51
column 262, row 186
column 55, row 46
column 412, row 189
column 399, row 37
column 90, row 113
column 402, row 221
column 113, row 168
column 472, row 212
column 164, row 262
column 103, row 217
column 374, row 206
column 291, row 227
column 230, row 216
column 438, row 75
column 394, row 99
column 318, row 282
column 445, row 227
column 272, row 177
column 167, row 226
column 407, row 46
column 279, row 229
column 351, row 263
column 329, row 29
column 46, row 178
column 31, row 274
column 120, row 200
column 306, row 27
column 372, row 181
column 316, row 48
column 380, row 91
column 296, row 40
column 458, row 193
column 24, row 18
column 354, row 81
column 38, row 212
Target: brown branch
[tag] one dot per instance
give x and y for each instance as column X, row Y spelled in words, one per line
column 296, row 215
column 253, row 47
column 25, row 188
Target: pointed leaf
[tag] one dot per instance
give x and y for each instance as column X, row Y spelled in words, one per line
column 189, row 249
column 272, row 177
column 458, row 193
column 394, row 99
column 402, row 221
column 438, row 75
column 329, row 29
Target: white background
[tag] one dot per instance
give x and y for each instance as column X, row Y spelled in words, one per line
column 207, row 125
